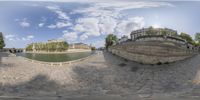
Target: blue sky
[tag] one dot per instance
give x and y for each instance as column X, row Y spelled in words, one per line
column 90, row 21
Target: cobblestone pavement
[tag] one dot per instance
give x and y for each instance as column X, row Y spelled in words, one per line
column 101, row 75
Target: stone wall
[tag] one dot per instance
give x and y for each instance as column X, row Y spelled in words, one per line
column 151, row 52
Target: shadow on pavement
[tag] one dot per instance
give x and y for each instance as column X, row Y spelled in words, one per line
column 177, row 77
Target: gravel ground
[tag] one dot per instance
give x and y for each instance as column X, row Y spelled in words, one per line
column 101, row 75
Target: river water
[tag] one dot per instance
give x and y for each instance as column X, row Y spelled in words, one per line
column 55, row 57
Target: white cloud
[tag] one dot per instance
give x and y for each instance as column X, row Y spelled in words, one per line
column 41, row 24
column 125, row 27
column 83, row 36
column 113, row 9
column 99, row 43
column 52, row 26
column 10, row 37
column 53, row 8
column 107, row 25
column 64, row 20
column 24, row 23
column 102, row 24
column 27, row 38
column 30, row 37
column 95, row 22
column 56, row 9
column 101, row 18
column 62, row 24
column 96, row 11
column 61, row 14
column 69, row 36
column 119, row 6
column 106, row 18
column 87, row 26
column 59, row 25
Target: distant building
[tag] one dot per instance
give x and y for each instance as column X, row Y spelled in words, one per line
column 50, row 46
column 123, row 39
column 79, row 46
column 161, row 34
column 156, row 31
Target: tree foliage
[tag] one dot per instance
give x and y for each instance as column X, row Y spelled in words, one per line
column 93, row 48
column 197, row 37
column 110, row 40
column 166, row 31
column 151, row 31
column 161, row 31
column 187, row 37
column 2, row 44
column 49, row 47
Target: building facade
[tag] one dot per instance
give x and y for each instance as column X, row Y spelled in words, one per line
column 152, row 32
column 79, row 46
column 123, row 39
column 161, row 34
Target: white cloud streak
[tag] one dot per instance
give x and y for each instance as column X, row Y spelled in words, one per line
column 102, row 18
column 69, row 36
column 12, row 37
column 125, row 27
column 64, row 19
column 59, row 25
column 27, row 38
column 106, row 18
column 56, row 9
column 40, row 24
column 24, row 23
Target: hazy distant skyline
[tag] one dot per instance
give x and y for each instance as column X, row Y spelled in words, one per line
column 89, row 22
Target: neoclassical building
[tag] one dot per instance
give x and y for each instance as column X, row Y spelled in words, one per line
column 79, row 46
column 123, row 39
column 152, row 32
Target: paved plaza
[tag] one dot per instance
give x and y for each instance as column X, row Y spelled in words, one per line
column 103, row 76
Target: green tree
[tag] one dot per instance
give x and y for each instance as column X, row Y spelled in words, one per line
column 174, row 33
column 187, row 37
column 29, row 47
column 151, row 31
column 110, row 40
column 52, row 47
column 164, row 32
column 2, row 44
column 197, row 37
column 93, row 48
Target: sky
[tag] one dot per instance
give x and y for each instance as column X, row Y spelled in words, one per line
column 90, row 22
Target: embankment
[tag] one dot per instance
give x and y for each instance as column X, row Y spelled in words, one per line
column 151, row 52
